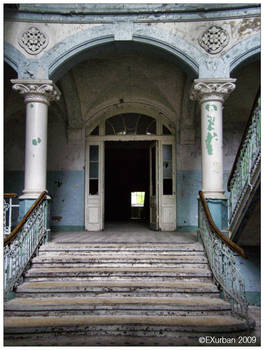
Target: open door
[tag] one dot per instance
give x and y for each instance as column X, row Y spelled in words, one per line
column 167, row 188
column 154, row 186
column 94, row 186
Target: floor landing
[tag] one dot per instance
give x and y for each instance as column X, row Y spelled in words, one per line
column 127, row 232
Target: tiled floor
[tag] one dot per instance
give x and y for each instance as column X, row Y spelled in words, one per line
column 127, row 232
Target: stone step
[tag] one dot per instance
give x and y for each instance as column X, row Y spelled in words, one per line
column 116, row 306
column 117, row 257
column 123, row 325
column 116, row 286
column 148, row 247
column 118, row 271
column 93, row 264
column 179, row 338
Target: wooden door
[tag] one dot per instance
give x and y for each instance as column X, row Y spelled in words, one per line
column 154, row 185
column 94, row 187
column 167, row 186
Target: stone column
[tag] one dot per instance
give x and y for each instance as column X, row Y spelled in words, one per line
column 38, row 94
column 211, row 93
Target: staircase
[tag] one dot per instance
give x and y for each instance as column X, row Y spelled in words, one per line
column 118, row 294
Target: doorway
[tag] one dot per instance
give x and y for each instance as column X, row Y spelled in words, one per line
column 127, row 181
column 128, row 155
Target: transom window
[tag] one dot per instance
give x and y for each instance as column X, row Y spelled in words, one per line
column 131, row 124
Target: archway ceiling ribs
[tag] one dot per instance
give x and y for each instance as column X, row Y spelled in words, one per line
column 71, row 100
column 123, row 85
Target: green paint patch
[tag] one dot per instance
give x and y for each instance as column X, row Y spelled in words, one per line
column 208, row 142
column 210, row 128
column 209, row 106
column 211, row 121
column 36, row 141
column 31, row 105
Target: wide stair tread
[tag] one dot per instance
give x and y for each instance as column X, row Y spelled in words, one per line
column 187, row 323
column 117, row 290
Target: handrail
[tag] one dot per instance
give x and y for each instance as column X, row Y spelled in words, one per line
column 232, row 245
column 14, row 233
column 10, row 195
column 243, row 140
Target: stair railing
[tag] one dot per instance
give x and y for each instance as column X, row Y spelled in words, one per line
column 8, row 212
column 221, row 253
column 246, row 167
column 23, row 242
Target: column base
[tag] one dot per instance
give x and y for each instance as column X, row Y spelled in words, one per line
column 219, row 211
column 26, row 201
column 24, row 206
column 32, row 195
column 214, row 194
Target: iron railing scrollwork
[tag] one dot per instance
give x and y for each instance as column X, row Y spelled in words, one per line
column 23, row 242
column 8, row 212
column 221, row 256
column 247, row 163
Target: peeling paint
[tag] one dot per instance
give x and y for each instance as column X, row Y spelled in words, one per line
column 58, row 183
column 249, row 25
column 36, row 141
column 209, row 107
column 56, row 218
column 208, row 142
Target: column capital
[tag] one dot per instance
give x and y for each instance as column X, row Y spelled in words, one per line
column 43, row 91
column 212, row 89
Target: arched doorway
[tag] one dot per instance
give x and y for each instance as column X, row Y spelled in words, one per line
column 129, row 155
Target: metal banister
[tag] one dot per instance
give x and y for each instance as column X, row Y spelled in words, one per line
column 222, row 259
column 14, row 233
column 245, row 133
column 23, row 243
column 232, row 245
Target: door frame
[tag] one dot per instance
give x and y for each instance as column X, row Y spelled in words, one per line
column 100, row 140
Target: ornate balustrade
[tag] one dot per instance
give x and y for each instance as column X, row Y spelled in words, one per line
column 221, row 254
column 23, row 242
column 8, row 212
column 245, row 175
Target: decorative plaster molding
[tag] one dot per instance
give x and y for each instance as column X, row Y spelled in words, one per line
column 33, row 40
column 212, row 89
column 214, row 39
column 37, row 90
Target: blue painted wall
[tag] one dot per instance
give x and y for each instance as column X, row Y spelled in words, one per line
column 67, row 206
column 67, row 190
column 250, row 270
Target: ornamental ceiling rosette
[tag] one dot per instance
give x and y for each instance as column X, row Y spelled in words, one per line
column 33, row 40
column 214, row 39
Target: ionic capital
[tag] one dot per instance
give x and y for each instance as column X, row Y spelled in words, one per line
column 212, row 89
column 43, row 91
